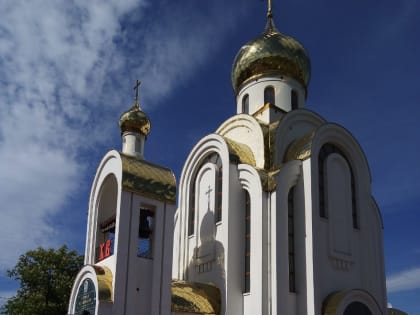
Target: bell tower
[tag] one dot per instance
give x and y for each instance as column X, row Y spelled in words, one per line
column 129, row 232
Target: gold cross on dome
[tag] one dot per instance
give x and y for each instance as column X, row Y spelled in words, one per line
column 136, row 87
column 269, row 10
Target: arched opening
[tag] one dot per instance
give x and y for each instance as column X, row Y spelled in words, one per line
column 215, row 159
column 326, row 150
column 106, row 219
column 357, row 308
column 85, row 302
column 269, row 95
column 245, row 104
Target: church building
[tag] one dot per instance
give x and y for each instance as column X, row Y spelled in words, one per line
column 274, row 212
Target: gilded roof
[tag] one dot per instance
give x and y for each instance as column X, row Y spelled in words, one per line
column 240, row 152
column 394, row 311
column 148, row 179
column 300, row 149
column 194, row 297
column 271, row 53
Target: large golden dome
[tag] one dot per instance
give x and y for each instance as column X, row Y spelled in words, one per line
column 271, row 53
column 135, row 120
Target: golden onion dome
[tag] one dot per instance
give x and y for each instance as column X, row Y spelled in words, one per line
column 135, row 120
column 271, row 53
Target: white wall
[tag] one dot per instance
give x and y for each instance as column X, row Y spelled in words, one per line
column 283, row 87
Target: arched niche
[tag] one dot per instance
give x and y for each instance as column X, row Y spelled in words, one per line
column 210, row 146
column 106, row 218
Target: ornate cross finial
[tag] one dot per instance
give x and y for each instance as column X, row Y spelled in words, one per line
column 269, row 10
column 136, row 98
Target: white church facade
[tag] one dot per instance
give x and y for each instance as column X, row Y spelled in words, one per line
column 275, row 213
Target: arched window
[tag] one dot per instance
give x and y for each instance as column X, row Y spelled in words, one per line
column 269, row 95
column 247, row 251
column 294, row 100
column 216, row 160
column 245, row 104
column 291, row 237
column 219, row 191
column 325, row 151
column 191, row 209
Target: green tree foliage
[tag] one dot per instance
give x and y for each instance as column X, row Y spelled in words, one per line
column 46, row 277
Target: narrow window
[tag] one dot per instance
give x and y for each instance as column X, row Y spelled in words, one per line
column 321, row 181
column 219, row 193
column 145, row 233
column 138, row 145
column 353, row 200
column 294, row 99
column 269, row 95
column 291, row 236
column 191, row 212
column 245, row 104
column 325, row 151
column 247, row 267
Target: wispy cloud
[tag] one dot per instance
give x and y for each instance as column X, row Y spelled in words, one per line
column 179, row 41
column 404, row 280
column 49, row 53
column 61, row 62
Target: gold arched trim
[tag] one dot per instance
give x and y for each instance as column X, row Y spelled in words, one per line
column 104, row 276
column 195, row 298
column 336, row 302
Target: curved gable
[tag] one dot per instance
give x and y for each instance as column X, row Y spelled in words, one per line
column 310, row 144
column 207, row 145
column 342, row 138
column 244, row 128
column 295, row 125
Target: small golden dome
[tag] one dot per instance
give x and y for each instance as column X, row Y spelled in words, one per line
column 135, row 120
column 271, row 53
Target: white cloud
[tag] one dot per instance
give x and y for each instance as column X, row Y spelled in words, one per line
column 62, row 63
column 404, row 280
column 53, row 60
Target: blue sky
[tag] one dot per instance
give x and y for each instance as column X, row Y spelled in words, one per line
column 66, row 74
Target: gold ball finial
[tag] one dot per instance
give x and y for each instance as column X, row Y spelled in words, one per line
column 135, row 120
